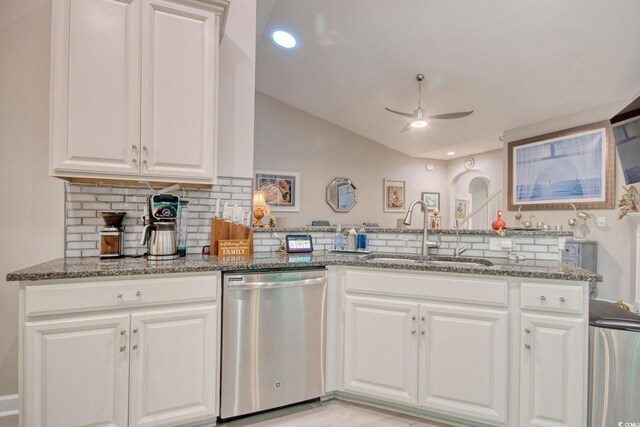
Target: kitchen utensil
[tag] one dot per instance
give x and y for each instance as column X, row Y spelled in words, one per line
column 112, row 235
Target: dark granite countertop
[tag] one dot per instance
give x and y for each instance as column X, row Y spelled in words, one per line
column 75, row 268
column 526, row 232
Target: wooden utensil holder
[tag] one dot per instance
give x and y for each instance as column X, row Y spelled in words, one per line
column 224, row 230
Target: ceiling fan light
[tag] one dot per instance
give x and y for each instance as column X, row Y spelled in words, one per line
column 419, row 123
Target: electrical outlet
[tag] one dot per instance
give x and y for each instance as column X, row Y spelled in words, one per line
column 496, row 244
column 601, row 221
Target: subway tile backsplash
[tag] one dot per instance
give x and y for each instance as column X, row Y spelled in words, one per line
column 84, row 202
column 538, row 248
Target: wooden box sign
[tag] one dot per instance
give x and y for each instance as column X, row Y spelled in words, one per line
column 224, row 230
column 234, row 247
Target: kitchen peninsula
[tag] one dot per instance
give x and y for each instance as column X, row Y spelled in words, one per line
column 399, row 331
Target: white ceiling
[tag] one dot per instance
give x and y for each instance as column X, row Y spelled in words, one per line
column 515, row 62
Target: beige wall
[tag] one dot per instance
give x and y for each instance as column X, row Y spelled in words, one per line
column 33, row 225
column 288, row 138
column 615, row 240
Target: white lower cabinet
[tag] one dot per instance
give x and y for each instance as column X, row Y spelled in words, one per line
column 172, row 369
column 463, row 361
column 138, row 365
column 444, row 358
column 552, row 380
column 480, row 350
column 380, row 351
column 77, row 372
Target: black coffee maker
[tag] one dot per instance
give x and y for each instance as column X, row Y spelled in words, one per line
column 159, row 233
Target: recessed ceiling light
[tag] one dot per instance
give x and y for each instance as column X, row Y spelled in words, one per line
column 419, row 123
column 451, row 153
column 284, row 39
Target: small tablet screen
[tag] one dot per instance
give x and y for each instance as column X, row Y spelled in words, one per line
column 299, row 243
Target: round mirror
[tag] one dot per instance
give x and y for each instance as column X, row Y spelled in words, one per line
column 342, row 194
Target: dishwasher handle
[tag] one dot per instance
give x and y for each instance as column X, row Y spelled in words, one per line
column 278, row 285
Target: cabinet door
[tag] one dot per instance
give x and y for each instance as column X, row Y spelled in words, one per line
column 463, row 361
column 173, row 366
column 77, row 372
column 552, row 371
column 179, row 75
column 380, row 353
column 95, row 78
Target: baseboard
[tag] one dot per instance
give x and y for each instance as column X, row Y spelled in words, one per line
column 8, row 405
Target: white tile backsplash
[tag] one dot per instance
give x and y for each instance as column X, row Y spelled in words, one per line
column 545, row 248
column 84, row 202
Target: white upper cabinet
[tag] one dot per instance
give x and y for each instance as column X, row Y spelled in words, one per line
column 95, row 86
column 134, row 89
column 179, row 68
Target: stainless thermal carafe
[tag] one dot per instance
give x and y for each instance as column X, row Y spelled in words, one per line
column 160, row 238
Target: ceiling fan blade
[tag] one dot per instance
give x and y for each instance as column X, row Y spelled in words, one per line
column 406, row 127
column 411, row 116
column 458, row 115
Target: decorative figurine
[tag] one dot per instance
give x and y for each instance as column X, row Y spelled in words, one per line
column 499, row 225
column 629, row 201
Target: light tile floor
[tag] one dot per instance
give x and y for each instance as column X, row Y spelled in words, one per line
column 332, row 413
column 329, row 414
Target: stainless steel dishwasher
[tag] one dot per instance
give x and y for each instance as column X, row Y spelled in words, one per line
column 273, row 339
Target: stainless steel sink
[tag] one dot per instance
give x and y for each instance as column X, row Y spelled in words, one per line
column 435, row 261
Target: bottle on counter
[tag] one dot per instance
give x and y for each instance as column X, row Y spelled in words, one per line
column 361, row 239
column 351, row 240
column 338, row 239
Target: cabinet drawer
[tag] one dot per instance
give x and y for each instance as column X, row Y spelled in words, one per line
column 561, row 298
column 471, row 290
column 113, row 294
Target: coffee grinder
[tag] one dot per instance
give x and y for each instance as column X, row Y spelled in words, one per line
column 159, row 233
column 112, row 235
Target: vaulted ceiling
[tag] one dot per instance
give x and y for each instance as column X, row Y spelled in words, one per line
column 514, row 62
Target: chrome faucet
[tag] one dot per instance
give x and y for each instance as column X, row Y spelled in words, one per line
column 459, row 249
column 426, row 243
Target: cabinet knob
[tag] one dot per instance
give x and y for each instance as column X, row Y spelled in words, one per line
column 119, row 295
column 144, row 148
column 527, row 330
column 135, row 347
column 543, row 298
column 123, row 348
column 134, row 161
column 135, row 330
column 123, row 331
column 134, row 148
column 562, row 299
column 527, row 346
column 139, row 293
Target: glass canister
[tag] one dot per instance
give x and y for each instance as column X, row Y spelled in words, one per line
column 181, row 227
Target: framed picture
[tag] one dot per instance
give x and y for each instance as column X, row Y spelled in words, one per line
column 394, row 198
column 281, row 188
column 571, row 166
column 462, row 208
column 432, row 200
column 627, row 137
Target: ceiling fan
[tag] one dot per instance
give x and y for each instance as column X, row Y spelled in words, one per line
column 421, row 120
